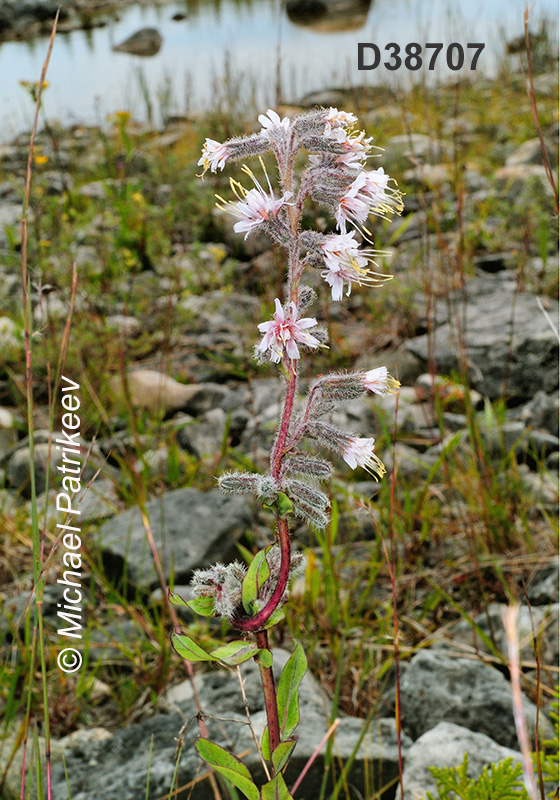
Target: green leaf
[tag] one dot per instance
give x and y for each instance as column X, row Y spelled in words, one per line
column 276, row 789
column 284, row 504
column 282, row 754
column 229, row 766
column 202, row 605
column 188, row 649
column 264, row 657
column 287, row 694
column 265, row 744
column 274, row 618
column 235, row 653
column 176, row 599
column 256, row 575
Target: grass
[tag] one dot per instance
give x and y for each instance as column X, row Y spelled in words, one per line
column 443, row 545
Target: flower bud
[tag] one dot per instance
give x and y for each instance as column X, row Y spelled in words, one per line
column 303, row 492
column 239, row 482
column 303, row 464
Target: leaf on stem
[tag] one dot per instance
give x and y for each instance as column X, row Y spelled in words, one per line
column 188, row 649
column 282, row 754
column 287, row 693
column 276, row 789
column 257, row 574
column 229, row 766
column 234, row 653
column 264, row 658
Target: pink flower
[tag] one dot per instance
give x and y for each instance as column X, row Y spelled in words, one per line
column 346, row 263
column 214, row 155
column 358, row 452
column 356, row 148
column 354, row 206
column 256, row 207
column 369, row 193
column 282, row 334
column 338, row 119
column 379, row 381
column 271, row 122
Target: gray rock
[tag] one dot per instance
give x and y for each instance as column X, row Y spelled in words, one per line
column 205, row 436
column 507, row 343
column 18, row 471
column 514, row 180
column 416, row 148
column 540, row 412
column 438, row 688
column 8, row 433
column 411, row 466
column 543, row 488
column 190, row 528
column 530, row 152
column 445, row 746
column 145, row 42
column 10, row 216
column 542, row 620
column 543, row 589
column 328, row 16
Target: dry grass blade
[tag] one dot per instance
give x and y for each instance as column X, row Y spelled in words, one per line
column 531, row 94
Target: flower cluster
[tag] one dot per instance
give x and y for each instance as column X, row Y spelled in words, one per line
column 334, row 175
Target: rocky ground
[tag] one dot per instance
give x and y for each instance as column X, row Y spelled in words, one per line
column 25, row 19
column 170, row 299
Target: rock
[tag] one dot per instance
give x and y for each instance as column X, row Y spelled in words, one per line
column 513, row 180
column 18, row 468
column 508, row 343
column 530, row 152
column 205, row 436
column 546, row 84
column 438, row 688
column 99, row 501
column 183, row 612
column 12, row 610
column 542, row 620
column 8, row 335
column 543, row 488
column 10, row 217
column 145, row 42
column 445, row 746
column 8, row 433
column 428, row 175
column 540, row 412
column 154, row 390
column 325, row 98
column 126, row 326
column 411, row 466
column 543, row 588
column 416, row 148
column 190, row 528
column 328, row 15
column 110, row 643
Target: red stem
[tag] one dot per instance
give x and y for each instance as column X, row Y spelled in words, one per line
column 257, row 622
column 269, row 692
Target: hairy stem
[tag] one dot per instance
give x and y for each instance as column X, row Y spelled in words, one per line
column 269, row 692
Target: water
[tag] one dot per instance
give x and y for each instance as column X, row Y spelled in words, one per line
column 87, row 81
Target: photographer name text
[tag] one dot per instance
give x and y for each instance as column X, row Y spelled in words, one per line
column 70, row 611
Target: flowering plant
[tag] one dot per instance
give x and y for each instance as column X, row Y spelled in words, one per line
column 251, row 598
